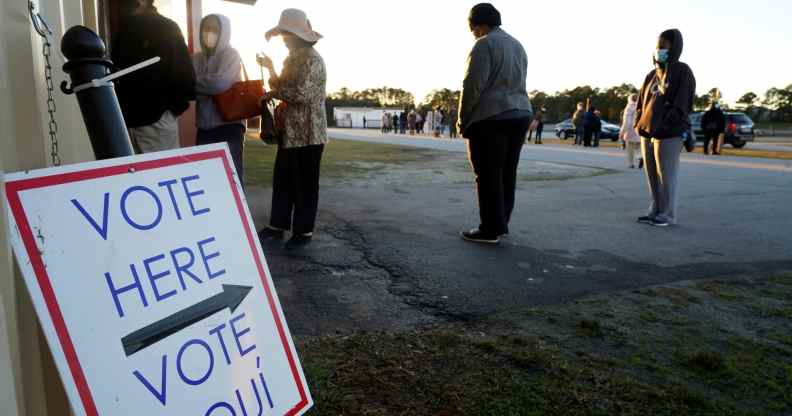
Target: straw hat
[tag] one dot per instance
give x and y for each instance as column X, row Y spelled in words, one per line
column 294, row 21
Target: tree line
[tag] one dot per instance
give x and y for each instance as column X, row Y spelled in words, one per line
column 776, row 106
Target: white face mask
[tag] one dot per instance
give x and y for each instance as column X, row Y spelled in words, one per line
column 210, row 39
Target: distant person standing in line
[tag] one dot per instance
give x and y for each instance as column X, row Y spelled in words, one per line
column 663, row 112
column 395, row 121
column 452, row 123
column 494, row 114
column 714, row 124
column 403, row 122
column 630, row 137
column 538, row 125
column 439, row 122
column 577, row 122
column 365, row 122
column 589, row 126
column 152, row 98
column 597, row 127
column 384, row 121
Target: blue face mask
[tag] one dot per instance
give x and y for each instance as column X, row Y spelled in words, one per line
column 661, row 56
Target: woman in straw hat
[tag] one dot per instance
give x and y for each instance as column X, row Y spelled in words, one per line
column 301, row 85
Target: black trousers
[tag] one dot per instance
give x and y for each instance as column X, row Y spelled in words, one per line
column 588, row 134
column 711, row 137
column 234, row 135
column 295, row 189
column 494, row 149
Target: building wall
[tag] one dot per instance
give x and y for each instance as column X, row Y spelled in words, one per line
column 25, row 144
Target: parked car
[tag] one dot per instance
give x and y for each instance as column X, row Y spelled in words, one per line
column 565, row 130
column 739, row 129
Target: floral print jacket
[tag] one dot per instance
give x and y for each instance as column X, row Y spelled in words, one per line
column 302, row 86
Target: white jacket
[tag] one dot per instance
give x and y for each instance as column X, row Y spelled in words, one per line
column 628, row 131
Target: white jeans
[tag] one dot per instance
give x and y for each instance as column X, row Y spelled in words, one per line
column 162, row 135
column 632, row 149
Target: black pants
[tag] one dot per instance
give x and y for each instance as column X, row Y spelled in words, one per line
column 494, row 148
column 234, row 135
column 587, row 135
column 711, row 137
column 295, row 189
column 539, row 130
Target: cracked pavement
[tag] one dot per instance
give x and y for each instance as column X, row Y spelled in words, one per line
column 386, row 254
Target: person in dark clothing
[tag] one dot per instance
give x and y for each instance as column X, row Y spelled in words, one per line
column 152, row 98
column 539, row 119
column 395, row 123
column 597, row 129
column 494, row 115
column 714, row 124
column 590, row 125
column 403, row 122
column 663, row 122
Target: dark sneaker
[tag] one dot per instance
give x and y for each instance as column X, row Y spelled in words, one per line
column 660, row 223
column 645, row 220
column 268, row 233
column 640, row 163
column 298, row 241
column 477, row 236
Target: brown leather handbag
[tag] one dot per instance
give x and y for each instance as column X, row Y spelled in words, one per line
column 242, row 101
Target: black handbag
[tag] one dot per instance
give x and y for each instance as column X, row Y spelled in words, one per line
column 270, row 133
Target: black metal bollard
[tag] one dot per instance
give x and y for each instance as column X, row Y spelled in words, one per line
column 87, row 61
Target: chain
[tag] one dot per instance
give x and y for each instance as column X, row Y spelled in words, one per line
column 43, row 30
column 51, row 108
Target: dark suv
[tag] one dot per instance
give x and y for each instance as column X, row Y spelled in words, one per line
column 739, row 129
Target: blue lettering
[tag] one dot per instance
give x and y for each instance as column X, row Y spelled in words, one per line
column 200, row 380
column 184, row 269
column 115, row 292
column 142, row 227
column 162, row 396
column 219, row 333
column 192, row 194
column 154, row 277
column 206, row 257
column 239, row 334
column 219, row 405
column 169, row 184
column 103, row 229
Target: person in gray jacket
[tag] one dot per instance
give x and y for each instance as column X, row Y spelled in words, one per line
column 217, row 68
column 494, row 116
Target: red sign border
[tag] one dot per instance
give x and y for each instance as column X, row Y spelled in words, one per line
column 13, row 188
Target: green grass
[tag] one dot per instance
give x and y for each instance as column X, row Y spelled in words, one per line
column 636, row 363
column 341, row 158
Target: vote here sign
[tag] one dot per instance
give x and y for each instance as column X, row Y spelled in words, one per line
column 152, row 289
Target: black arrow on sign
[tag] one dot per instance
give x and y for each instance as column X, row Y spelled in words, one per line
column 231, row 297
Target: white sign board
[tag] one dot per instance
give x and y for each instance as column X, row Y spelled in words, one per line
column 152, row 288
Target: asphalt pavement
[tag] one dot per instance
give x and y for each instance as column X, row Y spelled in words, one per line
column 388, row 255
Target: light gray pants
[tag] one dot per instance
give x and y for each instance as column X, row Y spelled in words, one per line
column 661, row 161
column 162, row 135
column 631, row 149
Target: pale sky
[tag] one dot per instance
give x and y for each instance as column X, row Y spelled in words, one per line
column 418, row 46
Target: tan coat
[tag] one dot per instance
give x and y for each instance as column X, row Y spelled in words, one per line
column 302, row 86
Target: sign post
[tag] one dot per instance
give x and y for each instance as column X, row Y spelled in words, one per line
column 152, row 289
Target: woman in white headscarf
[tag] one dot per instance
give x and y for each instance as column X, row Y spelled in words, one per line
column 217, row 67
column 629, row 135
